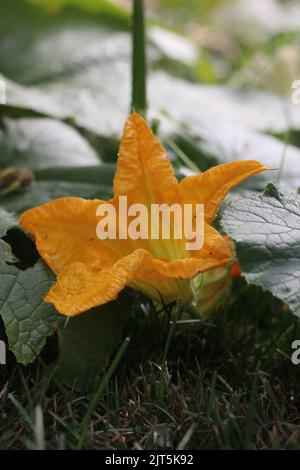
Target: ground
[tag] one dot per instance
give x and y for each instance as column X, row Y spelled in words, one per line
column 228, row 384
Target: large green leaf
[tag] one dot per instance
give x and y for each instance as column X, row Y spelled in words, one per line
column 44, row 191
column 214, row 135
column 39, row 143
column 101, row 106
column 217, row 141
column 27, row 319
column 257, row 21
column 42, row 42
column 191, row 103
column 207, row 113
column 90, row 182
column 266, row 229
column 80, row 68
column 273, row 70
column 100, row 174
column 30, row 99
column 83, row 67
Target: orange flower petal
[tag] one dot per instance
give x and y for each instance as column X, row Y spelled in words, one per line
column 144, row 172
column 79, row 287
column 187, row 268
column 215, row 244
column 65, row 232
column 210, row 188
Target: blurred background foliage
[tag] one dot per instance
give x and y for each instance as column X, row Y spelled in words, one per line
column 219, row 87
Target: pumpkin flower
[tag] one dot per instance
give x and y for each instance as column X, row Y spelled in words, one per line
column 91, row 272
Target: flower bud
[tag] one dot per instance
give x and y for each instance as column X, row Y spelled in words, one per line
column 14, row 179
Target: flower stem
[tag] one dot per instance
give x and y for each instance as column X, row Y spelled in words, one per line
column 139, row 72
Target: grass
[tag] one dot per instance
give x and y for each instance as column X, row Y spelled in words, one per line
column 226, row 384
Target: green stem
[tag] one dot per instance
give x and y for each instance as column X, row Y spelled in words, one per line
column 139, row 72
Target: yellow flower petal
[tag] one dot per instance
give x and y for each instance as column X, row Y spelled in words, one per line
column 144, row 172
column 210, row 188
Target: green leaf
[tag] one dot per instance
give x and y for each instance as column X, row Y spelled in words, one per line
column 90, row 182
column 192, row 103
column 87, row 181
column 28, row 320
column 254, row 22
column 44, row 191
column 61, row 58
column 21, row 98
column 266, row 229
column 273, row 70
column 100, row 174
column 39, row 143
column 212, row 140
column 63, row 55
column 174, row 46
column 87, row 341
column 104, row 104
